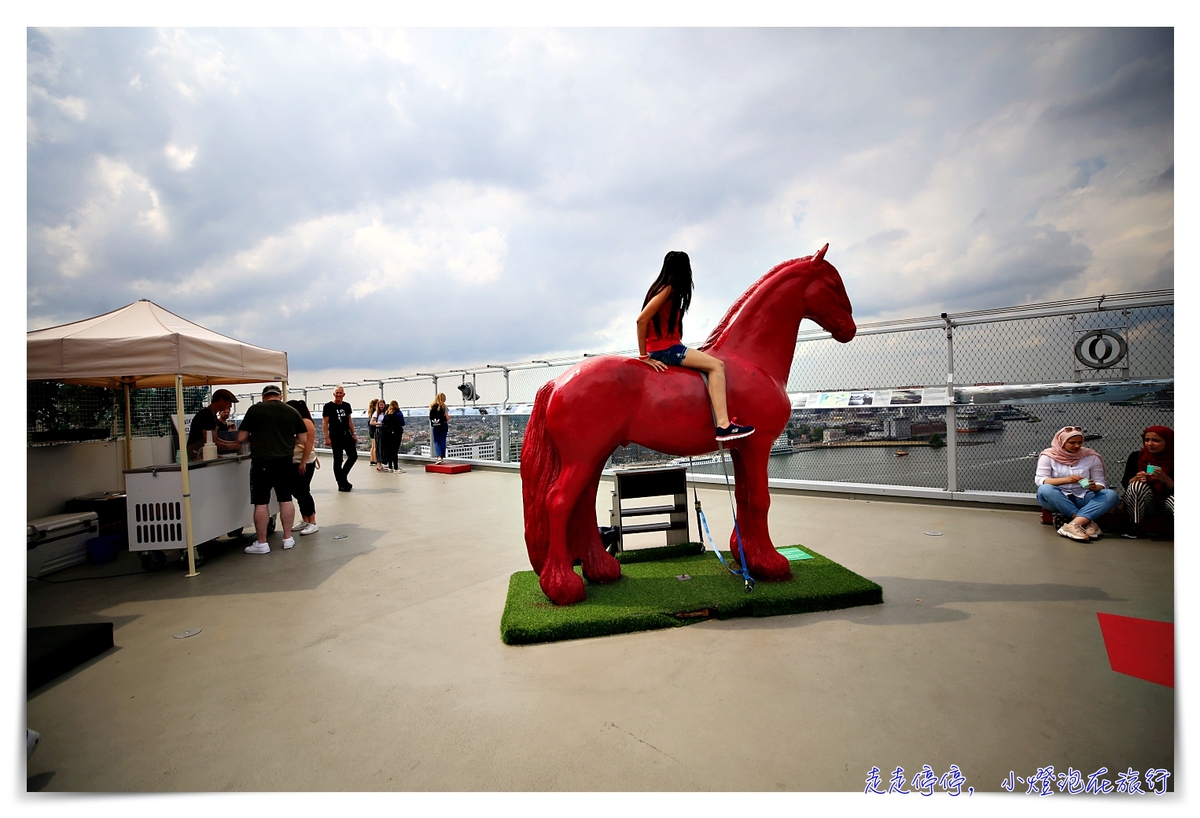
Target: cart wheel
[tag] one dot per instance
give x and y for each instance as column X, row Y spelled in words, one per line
column 237, row 532
column 271, row 525
column 153, row 560
column 200, row 557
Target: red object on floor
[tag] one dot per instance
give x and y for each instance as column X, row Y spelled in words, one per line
column 448, row 468
column 1141, row 648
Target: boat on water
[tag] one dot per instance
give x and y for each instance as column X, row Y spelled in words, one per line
column 901, row 453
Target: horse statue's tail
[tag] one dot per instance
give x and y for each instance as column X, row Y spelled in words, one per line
column 539, row 470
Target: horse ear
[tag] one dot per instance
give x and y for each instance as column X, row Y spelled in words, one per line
column 821, row 253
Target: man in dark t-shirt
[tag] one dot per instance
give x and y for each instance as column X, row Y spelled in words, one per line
column 206, row 421
column 338, row 428
column 273, row 429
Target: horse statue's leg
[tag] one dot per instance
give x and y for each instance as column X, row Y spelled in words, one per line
column 584, row 536
column 753, row 503
column 557, row 577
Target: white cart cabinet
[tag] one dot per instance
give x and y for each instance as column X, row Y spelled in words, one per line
column 220, row 505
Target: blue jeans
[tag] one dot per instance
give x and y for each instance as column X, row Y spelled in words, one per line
column 439, row 441
column 1093, row 506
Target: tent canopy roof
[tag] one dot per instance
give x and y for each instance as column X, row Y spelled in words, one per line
column 144, row 345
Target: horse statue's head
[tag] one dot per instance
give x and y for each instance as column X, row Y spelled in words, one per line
column 825, row 299
column 762, row 324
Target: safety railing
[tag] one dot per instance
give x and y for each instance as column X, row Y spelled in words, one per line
column 956, row 405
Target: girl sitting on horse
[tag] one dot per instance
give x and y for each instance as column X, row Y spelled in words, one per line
column 660, row 330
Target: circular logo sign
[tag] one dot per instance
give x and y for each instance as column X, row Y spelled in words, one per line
column 1100, row 349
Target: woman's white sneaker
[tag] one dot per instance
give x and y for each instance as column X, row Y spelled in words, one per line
column 257, row 548
column 309, row 528
column 288, row 543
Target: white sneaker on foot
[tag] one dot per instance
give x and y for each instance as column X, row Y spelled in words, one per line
column 257, row 548
column 309, row 528
column 288, row 543
column 299, row 524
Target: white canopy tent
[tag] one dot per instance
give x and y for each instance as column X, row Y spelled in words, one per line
column 143, row 345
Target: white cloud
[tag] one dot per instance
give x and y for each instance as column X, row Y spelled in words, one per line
column 198, row 63
column 452, row 235
column 180, row 158
column 119, row 198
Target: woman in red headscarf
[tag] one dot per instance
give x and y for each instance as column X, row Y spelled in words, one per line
column 1071, row 483
column 1149, row 478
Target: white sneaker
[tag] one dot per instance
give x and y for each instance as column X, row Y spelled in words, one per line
column 288, row 543
column 309, row 528
column 257, row 548
column 299, row 524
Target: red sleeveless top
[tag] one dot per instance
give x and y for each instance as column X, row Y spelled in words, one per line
column 656, row 342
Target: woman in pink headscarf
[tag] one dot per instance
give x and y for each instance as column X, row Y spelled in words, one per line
column 1071, row 483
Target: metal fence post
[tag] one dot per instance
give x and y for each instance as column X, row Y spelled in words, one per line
column 951, row 413
column 505, row 429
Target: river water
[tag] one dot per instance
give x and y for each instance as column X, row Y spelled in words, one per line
column 987, row 461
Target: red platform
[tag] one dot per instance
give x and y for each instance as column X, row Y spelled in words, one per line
column 448, row 468
column 1140, row 647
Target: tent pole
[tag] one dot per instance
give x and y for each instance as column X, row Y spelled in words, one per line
column 285, row 390
column 183, row 471
column 128, row 430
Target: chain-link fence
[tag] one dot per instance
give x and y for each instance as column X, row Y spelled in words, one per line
column 984, row 441
column 67, row 413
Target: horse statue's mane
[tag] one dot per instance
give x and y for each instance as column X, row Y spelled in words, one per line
column 731, row 314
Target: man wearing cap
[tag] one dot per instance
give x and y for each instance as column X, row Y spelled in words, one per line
column 273, row 429
column 206, row 421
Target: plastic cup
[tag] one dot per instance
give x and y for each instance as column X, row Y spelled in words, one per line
column 1149, row 470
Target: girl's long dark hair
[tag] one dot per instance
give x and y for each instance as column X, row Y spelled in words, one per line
column 676, row 274
column 301, row 407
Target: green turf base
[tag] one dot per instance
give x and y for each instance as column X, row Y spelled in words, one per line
column 649, row 596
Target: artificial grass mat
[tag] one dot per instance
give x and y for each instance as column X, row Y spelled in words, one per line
column 649, row 596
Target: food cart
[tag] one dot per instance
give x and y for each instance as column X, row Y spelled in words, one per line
column 170, row 506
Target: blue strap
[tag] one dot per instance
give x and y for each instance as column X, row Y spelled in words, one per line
column 744, row 573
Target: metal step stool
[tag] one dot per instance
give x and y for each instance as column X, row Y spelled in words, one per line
column 654, row 481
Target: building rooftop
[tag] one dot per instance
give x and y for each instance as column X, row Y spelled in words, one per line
column 369, row 658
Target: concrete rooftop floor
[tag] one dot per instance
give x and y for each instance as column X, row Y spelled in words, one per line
column 374, row 662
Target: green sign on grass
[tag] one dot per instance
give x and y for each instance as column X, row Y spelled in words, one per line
column 794, row 554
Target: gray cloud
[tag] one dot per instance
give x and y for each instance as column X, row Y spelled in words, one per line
column 381, row 200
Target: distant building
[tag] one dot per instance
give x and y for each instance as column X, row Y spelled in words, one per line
column 899, row 428
column 834, row 435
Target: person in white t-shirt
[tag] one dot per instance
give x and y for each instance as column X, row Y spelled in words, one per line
column 1071, row 482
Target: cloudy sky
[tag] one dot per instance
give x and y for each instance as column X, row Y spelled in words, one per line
column 390, row 201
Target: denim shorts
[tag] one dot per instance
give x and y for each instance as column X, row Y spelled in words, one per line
column 671, row 356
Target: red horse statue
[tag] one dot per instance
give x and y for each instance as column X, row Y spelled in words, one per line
column 581, row 416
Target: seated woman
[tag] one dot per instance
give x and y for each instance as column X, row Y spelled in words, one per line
column 1149, row 479
column 1071, row 482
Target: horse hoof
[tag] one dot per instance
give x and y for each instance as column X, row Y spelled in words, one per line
column 563, row 587
column 601, row 567
column 771, row 566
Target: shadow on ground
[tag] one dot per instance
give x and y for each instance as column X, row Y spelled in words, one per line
column 901, row 606
column 226, row 570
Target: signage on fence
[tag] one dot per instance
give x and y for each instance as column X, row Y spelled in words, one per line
column 1100, row 349
column 909, row 396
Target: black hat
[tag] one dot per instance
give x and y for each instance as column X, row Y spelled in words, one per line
column 271, row 389
column 223, row 394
